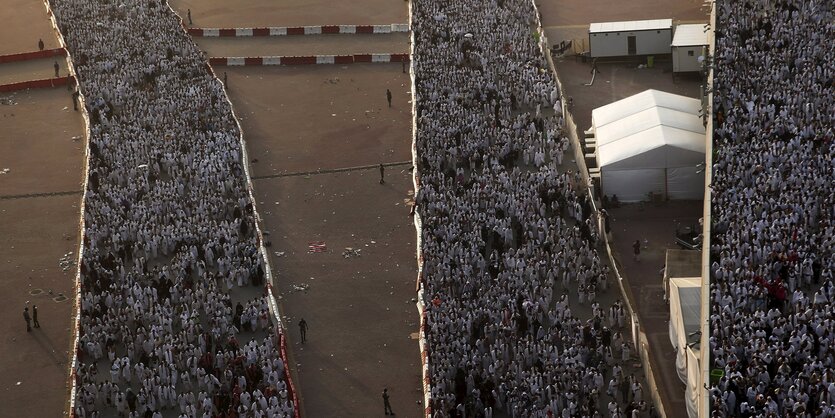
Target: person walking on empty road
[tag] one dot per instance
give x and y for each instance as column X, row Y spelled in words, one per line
column 40, row 44
column 388, row 96
column 303, row 330
column 28, row 319
column 57, row 67
column 382, row 173
column 189, row 17
column 386, row 403
column 35, row 316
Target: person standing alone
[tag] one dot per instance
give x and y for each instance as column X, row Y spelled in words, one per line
column 28, row 319
column 35, row 322
column 303, row 330
column 382, row 173
column 388, row 96
column 386, row 403
column 636, row 249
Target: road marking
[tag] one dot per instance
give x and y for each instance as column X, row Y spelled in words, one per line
column 31, row 195
column 332, row 170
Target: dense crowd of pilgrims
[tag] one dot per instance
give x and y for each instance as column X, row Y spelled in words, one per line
column 173, row 317
column 772, row 317
column 508, row 237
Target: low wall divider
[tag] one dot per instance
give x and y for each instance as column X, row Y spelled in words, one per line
column 299, row 30
column 423, row 343
column 76, row 320
column 26, row 56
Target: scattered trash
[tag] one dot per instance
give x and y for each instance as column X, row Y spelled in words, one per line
column 316, row 247
column 279, row 253
column 4, row 171
column 350, row 252
column 301, row 287
column 67, row 261
column 76, row 138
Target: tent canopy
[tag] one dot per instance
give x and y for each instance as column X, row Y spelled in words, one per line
column 664, row 125
column 650, row 143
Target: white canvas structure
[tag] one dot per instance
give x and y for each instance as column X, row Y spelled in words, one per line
column 685, row 318
column 650, row 142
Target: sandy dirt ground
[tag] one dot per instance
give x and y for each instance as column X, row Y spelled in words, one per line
column 360, row 310
column 615, row 81
column 23, row 23
column 15, row 72
column 316, row 117
column 583, row 12
column 41, row 157
column 305, row 45
column 657, row 225
column 37, row 232
column 266, row 13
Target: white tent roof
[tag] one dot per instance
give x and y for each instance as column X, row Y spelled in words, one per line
column 652, row 129
column 690, row 35
column 631, row 26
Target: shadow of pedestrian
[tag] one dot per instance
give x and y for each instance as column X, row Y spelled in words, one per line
column 49, row 348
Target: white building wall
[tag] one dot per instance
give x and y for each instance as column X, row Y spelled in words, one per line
column 683, row 61
column 616, row 44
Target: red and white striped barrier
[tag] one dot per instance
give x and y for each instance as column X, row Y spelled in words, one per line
column 298, row 30
column 307, row 60
column 26, row 56
column 36, row 84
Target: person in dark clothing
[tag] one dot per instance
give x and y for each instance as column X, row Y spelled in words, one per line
column 386, row 403
column 57, row 67
column 130, row 397
column 303, row 330
column 28, row 319
column 35, row 316
column 189, row 17
column 40, row 44
column 624, row 390
column 75, row 95
column 388, row 96
column 382, row 173
column 636, row 249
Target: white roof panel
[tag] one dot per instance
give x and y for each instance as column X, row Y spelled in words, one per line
column 631, row 26
column 690, row 35
column 648, row 121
